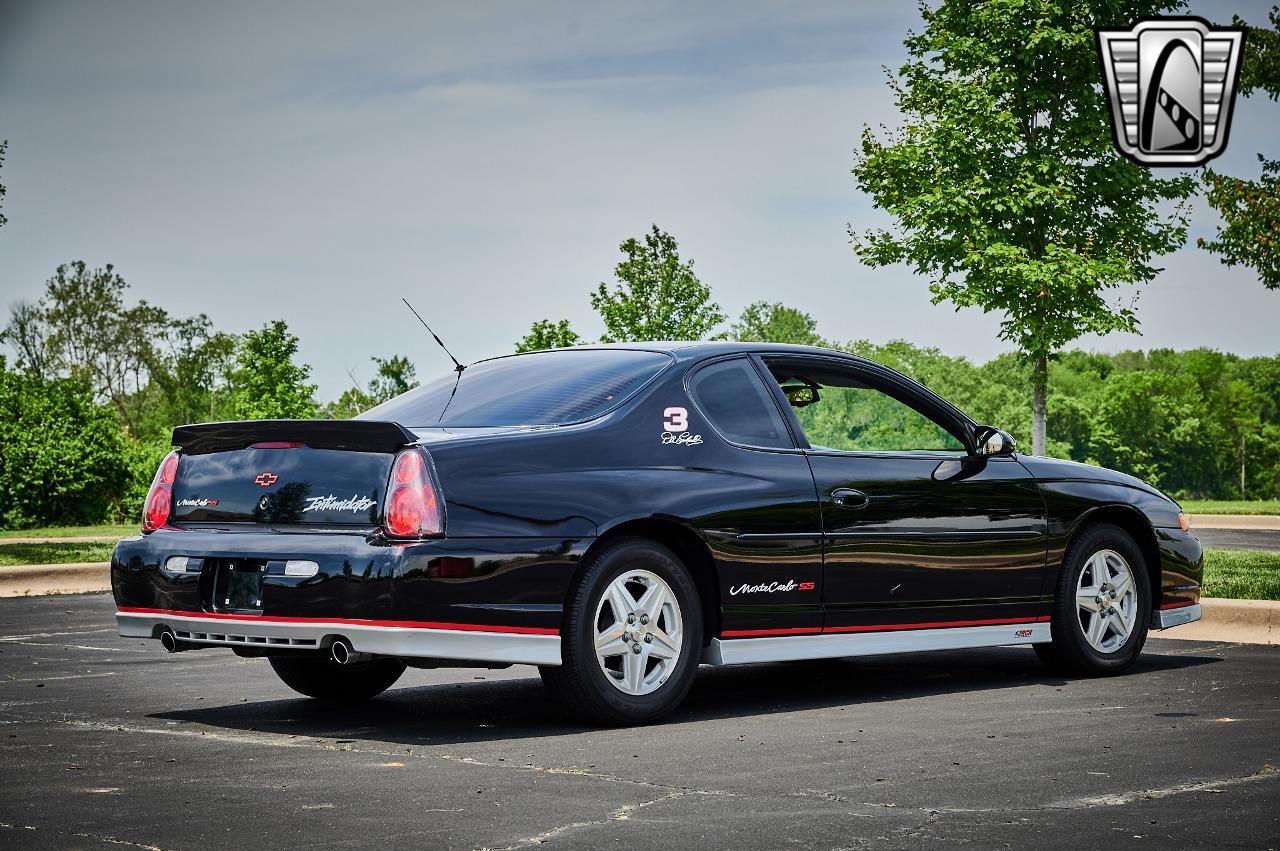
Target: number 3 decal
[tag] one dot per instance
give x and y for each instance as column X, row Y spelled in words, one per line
column 675, row 419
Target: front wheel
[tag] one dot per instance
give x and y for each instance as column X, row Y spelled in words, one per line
column 632, row 636
column 1102, row 606
column 325, row 679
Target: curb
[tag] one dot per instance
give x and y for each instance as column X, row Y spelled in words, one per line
column 1240, row 621
column 1257, row 522
column 26, row 580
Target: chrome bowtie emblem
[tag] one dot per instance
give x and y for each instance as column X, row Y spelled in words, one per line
column 1171, row 83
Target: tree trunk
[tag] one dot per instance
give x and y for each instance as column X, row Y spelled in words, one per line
column 1242, row 496
column 1039, row 406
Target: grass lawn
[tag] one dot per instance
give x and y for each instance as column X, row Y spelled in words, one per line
column 1242, row 574
column 1218, row 506
column 55, row 553
column 122, row 531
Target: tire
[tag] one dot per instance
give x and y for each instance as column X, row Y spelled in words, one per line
column 657, row 655
column 1108, row 649
column 325, row 679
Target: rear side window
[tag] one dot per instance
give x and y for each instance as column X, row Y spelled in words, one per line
column 544, row 388
column 731, row 395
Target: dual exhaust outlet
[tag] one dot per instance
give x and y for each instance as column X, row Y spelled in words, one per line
column 340, row 651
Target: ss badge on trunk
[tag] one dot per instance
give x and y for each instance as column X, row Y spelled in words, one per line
column 1171, row 83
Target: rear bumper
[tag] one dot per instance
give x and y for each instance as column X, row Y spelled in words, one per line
column 265, row 633
column 483, row 599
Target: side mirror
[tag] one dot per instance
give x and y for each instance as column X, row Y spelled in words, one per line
column 993, row 441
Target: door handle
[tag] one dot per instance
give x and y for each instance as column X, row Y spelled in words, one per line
column 850, row 498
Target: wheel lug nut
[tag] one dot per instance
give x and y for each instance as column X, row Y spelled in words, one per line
column 631, row 618
column 644, row 619
column 648, row 639
column 635, row 648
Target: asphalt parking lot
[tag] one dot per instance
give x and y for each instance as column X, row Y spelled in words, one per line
column 1240, row 539
column 110, row 742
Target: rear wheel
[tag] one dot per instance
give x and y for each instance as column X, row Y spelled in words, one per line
column 632, row 636
column 1102, row 606
column 325, row 679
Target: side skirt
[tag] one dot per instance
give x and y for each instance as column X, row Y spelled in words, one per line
column 834, row 645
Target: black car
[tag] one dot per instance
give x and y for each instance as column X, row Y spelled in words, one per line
column 618, row 515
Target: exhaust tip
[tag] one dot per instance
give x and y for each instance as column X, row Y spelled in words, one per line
column 340, row 651
column 168, row 642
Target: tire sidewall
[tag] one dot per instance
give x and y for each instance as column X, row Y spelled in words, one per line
column 1066, row 621
column 579, row 649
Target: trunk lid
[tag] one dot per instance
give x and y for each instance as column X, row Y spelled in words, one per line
column 284, row 472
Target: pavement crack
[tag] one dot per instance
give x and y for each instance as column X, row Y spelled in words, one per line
column 594, row 775
column 98, row 837
column 1268, row 772
column 621, row 814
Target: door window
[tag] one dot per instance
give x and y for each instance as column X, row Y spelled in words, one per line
column 739, row 405
column 839, row 410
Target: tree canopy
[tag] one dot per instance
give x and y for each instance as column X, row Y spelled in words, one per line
column 1250, row 209
column 657, row 295
column 546, row 334
column 1003, row 182
column 764, row 322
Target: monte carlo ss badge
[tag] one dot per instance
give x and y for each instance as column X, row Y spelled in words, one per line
column 1171, row 83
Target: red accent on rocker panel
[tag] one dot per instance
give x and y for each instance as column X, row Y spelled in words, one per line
column 463, row 627
column 747, row 633
column 881, row 627
column 894, row 627
column 1180, row 604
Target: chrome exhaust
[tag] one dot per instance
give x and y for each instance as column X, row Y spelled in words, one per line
column 170, row 642
column 343, row 654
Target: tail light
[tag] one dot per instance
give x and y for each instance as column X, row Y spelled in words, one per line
column 413, row 508
column 155, row 512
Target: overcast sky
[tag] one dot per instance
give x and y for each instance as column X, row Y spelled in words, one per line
column 316, row 163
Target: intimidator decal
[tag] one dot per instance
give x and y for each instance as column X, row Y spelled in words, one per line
column 357, row 503
column 675, row 428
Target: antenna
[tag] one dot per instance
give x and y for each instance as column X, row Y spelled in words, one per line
column 459, row 366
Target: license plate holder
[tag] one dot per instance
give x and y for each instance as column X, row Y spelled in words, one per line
column 238, row 586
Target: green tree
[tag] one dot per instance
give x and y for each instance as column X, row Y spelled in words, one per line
column 63, row 457
column 188, row 373
column 81, row 326
column 1004, row 183
column 658, row 297
column 1250, row 209
column 545, row 334
column 762, row 322
column 266, row 382
column 395, row 375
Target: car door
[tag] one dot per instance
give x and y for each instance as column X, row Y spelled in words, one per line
column 917, row 528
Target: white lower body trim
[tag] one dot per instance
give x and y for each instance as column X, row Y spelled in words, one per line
column 735, row 651
column 478, row 645
column 1166, row 618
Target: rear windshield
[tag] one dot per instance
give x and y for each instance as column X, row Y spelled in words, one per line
column 544, row 388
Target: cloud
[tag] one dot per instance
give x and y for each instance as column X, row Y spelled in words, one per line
column 317, row 163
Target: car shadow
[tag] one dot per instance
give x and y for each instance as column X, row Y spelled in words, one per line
column 518, row 708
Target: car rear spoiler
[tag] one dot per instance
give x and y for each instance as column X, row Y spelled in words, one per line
column 351, row 435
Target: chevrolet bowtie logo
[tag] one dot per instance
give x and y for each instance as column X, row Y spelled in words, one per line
column 266, row 479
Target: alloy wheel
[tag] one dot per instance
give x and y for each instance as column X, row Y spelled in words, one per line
column 1106, row 601
column 638, row 632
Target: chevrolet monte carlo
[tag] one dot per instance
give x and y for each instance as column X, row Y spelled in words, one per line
column 620, row 515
